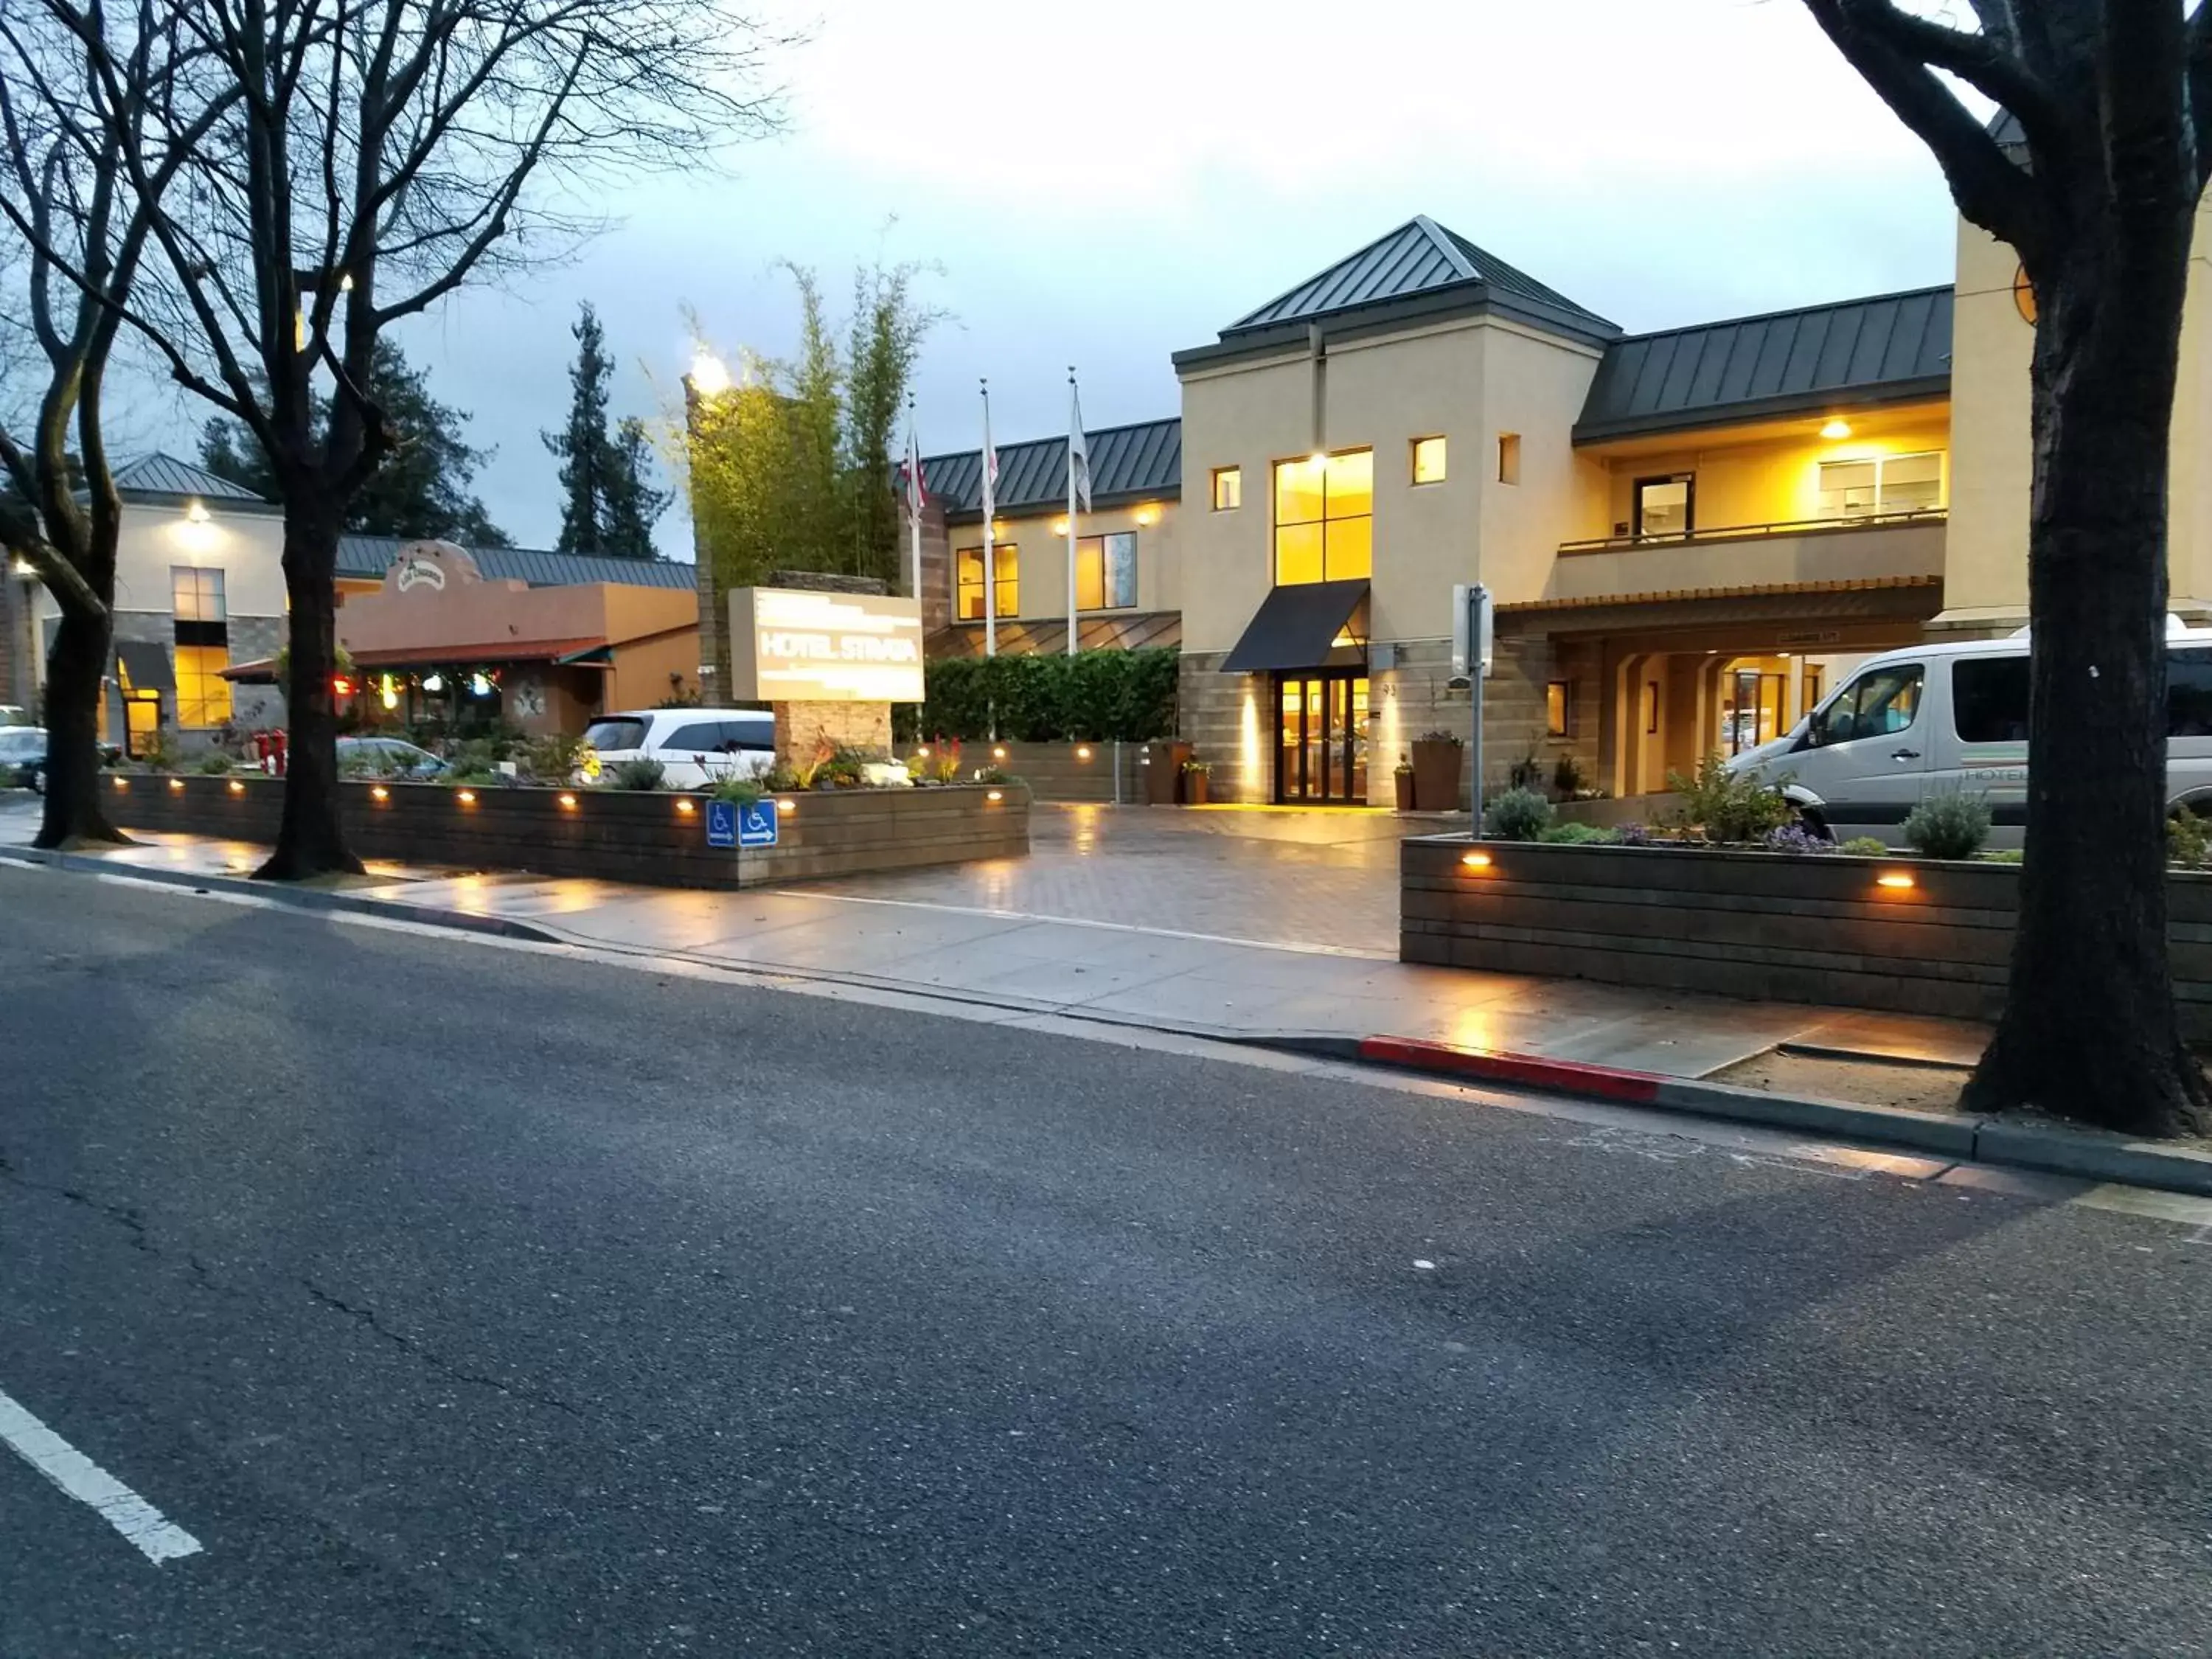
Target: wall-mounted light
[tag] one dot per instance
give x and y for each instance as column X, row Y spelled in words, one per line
column 785, row 808
column 1059, row 527
column 24, row 568
column 197, row 511
column 995, row 795
column 684, row 809
column 1316, row 459
column 1476, row 861
column 1148, row 514
column 176, row 786
column 1083, row 751
column 568, row 802
column 999, row 751
column 1836, row 431
column 123, row 783
column 922, row 752
column 378, row 791
column 1897, row 881
column 467, row 798
column 236, row 787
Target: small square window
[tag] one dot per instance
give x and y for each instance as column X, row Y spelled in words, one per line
column 1428, row 460
column 1560, row 709
column 1508, row 457
column 1228, row 488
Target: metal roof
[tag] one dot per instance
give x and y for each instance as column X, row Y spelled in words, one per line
column 165, row 475
column 365, row 558
column 1127, row 462
column 1419, row 258
column 1888, row 348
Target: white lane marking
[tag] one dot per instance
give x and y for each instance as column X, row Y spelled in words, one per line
column 156, row 1537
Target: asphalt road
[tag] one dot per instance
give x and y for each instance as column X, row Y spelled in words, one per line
column 460, row 1300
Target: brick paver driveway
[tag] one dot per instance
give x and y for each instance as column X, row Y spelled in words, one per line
column 1288, row 877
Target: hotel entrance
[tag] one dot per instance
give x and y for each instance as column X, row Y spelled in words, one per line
column 1321, row 738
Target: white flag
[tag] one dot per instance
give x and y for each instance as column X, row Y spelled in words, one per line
column 990, row 466
column 1078, row 450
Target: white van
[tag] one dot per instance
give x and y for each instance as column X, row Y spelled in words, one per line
column 1941, row 718
column 693, row 746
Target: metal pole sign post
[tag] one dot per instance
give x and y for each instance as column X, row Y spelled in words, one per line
column 1472, row 654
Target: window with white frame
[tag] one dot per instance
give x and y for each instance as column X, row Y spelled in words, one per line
column 1879, row 484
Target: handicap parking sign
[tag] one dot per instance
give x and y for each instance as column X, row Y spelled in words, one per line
column 722, row 823
column 757, row 823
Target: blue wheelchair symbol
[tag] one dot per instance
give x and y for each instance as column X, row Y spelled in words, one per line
column 756, row 824
column 722, row 823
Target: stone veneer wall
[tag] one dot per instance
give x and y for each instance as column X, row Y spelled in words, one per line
column 801, row 727
column 256, row 708
column 1229, row 719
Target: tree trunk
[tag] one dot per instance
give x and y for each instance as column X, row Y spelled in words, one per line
column 310, row 841
column 77, row 811
column 2089, row 1031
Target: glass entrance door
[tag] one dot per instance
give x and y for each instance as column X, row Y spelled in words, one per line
column 1320, row 738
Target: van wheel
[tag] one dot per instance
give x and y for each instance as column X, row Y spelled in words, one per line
column 1809, row 820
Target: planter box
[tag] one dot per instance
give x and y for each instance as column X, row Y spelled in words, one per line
column 1768, row 926
column 1436, row 768
column 607, row 835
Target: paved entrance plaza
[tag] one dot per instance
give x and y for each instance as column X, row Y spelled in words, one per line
column 1232, row 923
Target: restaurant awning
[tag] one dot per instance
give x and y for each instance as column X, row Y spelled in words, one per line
column 261, row 671
column 1300, row 625
column 145, row 666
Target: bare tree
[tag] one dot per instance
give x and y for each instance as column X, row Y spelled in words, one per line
column 379, row 154
column 80, row 242
column 2113, row 103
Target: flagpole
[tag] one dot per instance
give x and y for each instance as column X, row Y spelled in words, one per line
column 990, row 546
column 1074, row 437
column 913, row 488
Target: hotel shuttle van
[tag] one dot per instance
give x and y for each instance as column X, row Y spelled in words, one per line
column 1937, row 718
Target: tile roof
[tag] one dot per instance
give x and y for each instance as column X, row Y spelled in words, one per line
column 165, row 475
column 1419, row 258
column 1889, row 348
column 1127, row 462
column 365, row 558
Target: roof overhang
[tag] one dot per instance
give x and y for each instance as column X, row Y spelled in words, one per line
column 546, row 651
column 1932, row 388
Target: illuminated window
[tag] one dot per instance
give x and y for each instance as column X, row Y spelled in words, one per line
column 203, row 694
column 196, row 595
column 1560, row 709
column 967, row 587
column 1428, row 460
column 1666, row 506
column 1325, row 518
column 1881, row 483
column 1228, row 488
column 1106, row 572
column 1508, row 457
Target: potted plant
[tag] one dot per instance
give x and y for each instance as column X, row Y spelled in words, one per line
column 1436, row 765
column 1402, row 776
column 1195, row 774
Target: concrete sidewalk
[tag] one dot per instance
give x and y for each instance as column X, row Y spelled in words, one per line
column 1239, row 926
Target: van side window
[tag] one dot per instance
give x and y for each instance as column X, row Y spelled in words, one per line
column 1989, row 699
column 1879, row 702
column 2189, row 693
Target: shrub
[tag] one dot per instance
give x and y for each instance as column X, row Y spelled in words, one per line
column 1527, row 773
column 1797, row 838
column 843, row 767
column 1577, row 834
column 1517, row 815
column 2188, row 839
column 1865, row 847
column 1094, row 695
column 736, row 787
column 456, row 777
column 1951, row 826
column 639, row 773
column 1726, row 807
column 1635, row 835
column 1438, row 734
column 214, row 764
column 1567, row 778
column 550, row 759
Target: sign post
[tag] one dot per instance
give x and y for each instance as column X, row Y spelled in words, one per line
column 1473, row 650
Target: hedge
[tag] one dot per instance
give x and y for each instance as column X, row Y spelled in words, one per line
column 1094, row 695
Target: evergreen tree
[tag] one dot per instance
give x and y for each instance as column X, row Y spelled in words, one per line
column 422, row 490
column 582, row 446
column 633, row 505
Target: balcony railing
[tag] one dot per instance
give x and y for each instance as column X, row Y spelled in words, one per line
column 1759, row 533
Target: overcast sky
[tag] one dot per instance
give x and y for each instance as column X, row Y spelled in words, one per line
column 1103, row 184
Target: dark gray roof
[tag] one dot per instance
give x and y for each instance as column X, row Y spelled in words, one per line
column 1888, row 349
column 165, row 475
column 1127, row 462
column 1419, row 257
column 368, row 557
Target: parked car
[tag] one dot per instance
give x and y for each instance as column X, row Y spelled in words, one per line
column 693, row 745
column 14, row 713
column 386, row 757
column 1938, row 718
column 23, row 758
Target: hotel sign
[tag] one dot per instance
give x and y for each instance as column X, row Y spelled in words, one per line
column 789, row 645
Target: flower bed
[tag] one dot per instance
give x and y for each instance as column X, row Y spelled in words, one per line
column 660, row 839
column 1896, row 933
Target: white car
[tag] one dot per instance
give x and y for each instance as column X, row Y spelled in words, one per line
column 694, row 746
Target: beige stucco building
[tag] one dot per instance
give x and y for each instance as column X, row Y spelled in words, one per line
column 1689, row 534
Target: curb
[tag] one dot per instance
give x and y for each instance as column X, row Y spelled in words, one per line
column 290, row 898
column 2083, row 1153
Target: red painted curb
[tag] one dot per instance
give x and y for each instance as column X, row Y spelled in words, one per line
column 1531, row 1070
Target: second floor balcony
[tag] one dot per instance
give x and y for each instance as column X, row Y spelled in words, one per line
column 1815, row 551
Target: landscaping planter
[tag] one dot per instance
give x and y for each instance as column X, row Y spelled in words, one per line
column 1163, row 760
column 1403, row 783
column 1770, row 926
column 1194, row 788
column 607, row 835
column 1436, row 767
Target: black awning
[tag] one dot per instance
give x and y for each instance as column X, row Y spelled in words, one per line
column 1298, row 627
column 145, row 666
